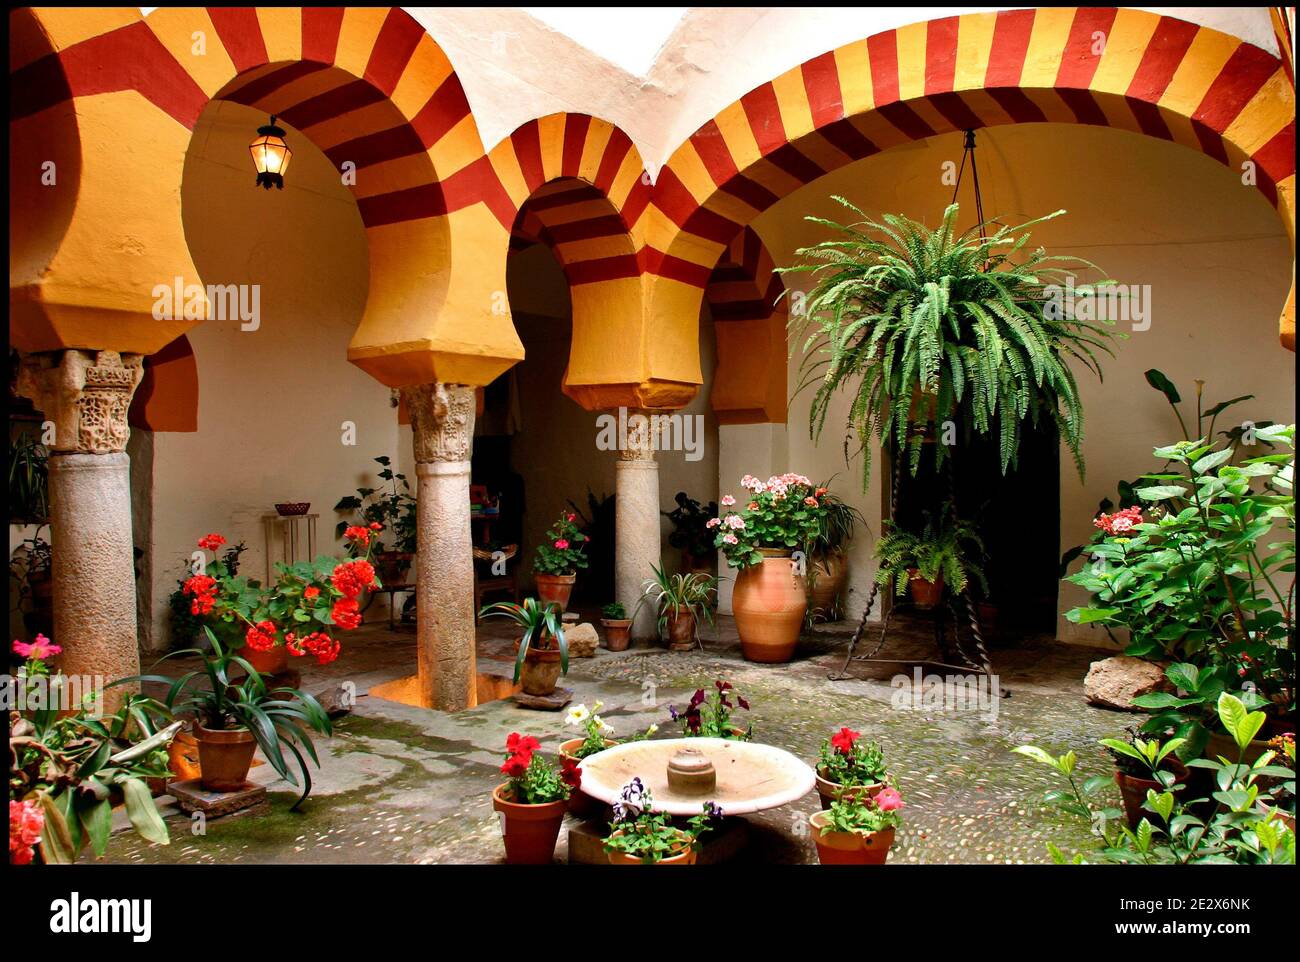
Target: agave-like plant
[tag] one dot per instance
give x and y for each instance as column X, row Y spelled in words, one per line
column 920, row 324
column 541, row 622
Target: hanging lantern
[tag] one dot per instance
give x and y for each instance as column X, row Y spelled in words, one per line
column 270, row 155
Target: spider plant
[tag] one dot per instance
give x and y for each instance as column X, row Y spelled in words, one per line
column 28, row 479
column 278, row 718
column 672, row 594
column 539, row 621
column 922, row 326
column 839, row 520
column 946, row 547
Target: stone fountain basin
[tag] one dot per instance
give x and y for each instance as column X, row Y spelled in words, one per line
column 751, row 777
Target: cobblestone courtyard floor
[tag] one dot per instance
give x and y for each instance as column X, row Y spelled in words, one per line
column 399, row 784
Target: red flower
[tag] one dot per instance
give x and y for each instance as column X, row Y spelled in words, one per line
column 346, row 614
column 842, row 741
column 211, row 542
column 26, row 820
column 351, row 577
column 261, row 636
column 888, row 800
column 521, row 748
column 571, row 516
column 516, row 765
column 516, row 742
column 562, row 544
column 376, row 526
column 570, row 773
column 1121, row 523
column 310, row 592
column 293, row 644
column 357, row 533
column 324, row 647
column 202, row 589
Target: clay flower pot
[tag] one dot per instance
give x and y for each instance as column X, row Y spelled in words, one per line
column 274, row 661
column 850, row 848
column 681, row 629
column 830, row 573
column 540, row 671
column 618, row 633
column 580, row 803
column 1133, row 790
column 686, row 856
column 224, row 757
column 392, row 566
column 769, row 605
column 183, row 757
column 555, row 588
column 529, row 831
column 832, row 791
column 926, row 594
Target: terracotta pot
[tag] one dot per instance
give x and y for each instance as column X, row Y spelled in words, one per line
column 393, row 566
column 1133, row 790
column 224, row 757
column 926, row 594
column 830, row 573
column 833, row 791
column 529, row 831
column 1220, row 744
column 580, row 803
column 618, row 633
column 183, row 757
column 850, row 848
column 272, row 662
column 686, row 856
column 555, row 588
column 769, row 605
column 681, row 629
column 540, row 671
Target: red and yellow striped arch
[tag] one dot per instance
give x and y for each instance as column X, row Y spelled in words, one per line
column 749, row 321
column 1123, row 68
column 367, row 85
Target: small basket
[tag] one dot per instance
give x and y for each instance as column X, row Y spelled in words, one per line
column 290, row 509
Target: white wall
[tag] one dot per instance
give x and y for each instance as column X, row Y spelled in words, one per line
column 1147, row 212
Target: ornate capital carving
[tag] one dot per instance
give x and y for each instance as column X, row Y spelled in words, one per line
column 442, row 420
column 86, row 394
column 637, row 428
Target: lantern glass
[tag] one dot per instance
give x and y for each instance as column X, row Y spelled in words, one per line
column 271, row 154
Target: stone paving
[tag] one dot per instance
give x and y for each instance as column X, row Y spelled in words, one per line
column 400, row 784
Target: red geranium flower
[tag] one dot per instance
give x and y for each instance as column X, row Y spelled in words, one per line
column 842, row 741
column 346, row 614
column 261, row 636
column 310, row 592
column 376, row 526
column 562, row 544
column 570, row 773
column 351, row 577
column 357, row 533
column 323, row 646
column 202, row 589
column 211, row 542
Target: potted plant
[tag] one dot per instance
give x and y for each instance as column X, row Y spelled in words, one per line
column 291, row 617
column 394, row 510
column 1142, row 766
column 29, row 499
column 641, row 836
column 691, row 535
column 943, row 554
column 558, row 559
column 532, row 801
column 234, row 717
column 783, row 514
column 828, row 565
column 681, row 602
column 849, row 767
column 31, row 566
column 617, row 625
column 857, row 830
column 186, row 626
column 543, row 654
column 709, row 715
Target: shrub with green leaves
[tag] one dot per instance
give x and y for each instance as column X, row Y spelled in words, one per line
column 920, row 325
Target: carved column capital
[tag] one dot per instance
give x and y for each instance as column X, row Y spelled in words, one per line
column 638, row 441
column 442, row 420
column 87, row 395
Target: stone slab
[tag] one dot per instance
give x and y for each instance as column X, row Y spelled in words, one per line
column 552, row 702
column 191, row 796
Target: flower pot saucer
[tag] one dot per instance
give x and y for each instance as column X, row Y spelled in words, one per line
column 552, row 702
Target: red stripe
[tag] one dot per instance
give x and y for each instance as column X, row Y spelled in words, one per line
column 1150, row 121
column 427, row 200
column 606, row 225
column 672, row 197
column 527, row 143
column 133, row 58
column 470, row 185
column 907, row 120
column 1010, row 46
column 715, row 156
column 1275, row 161
column 320, row 32
column 1084, row 106
column 883, row 50
column 1078, row 60
column 241, row 35
column 764, row 116
column 602, row 269
column 821, row 81
column 750, row 191
column 333, row 103
column 637, row 201
column 940, row 55
column 847, row 139
column 1018, row 105
column 789, row 159
column 956, row 111
column 396, row 43
column 612, row 159
column 711, row 225
column 751, row 248
column 255, row 90
column 443, row 111
column 575, row 136
column 1164, row 52
column 574, row 192
column 377, row 147
column 674, row 268
column 1246, row 71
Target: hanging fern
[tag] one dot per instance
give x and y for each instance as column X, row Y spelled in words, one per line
column 922, row 325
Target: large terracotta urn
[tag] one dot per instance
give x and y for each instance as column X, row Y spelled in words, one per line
column 830, row 573
column 769, row 604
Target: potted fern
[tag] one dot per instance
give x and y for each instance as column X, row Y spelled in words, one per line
column 943, row 554
column 924, row 325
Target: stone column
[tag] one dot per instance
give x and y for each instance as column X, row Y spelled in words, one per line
column 86, row 394
column 636, row 520
column 442, row 425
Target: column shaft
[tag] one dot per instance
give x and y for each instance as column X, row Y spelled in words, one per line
column 636, row 522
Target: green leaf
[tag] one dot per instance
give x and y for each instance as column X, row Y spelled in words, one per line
column 143, row 813
column 97, row 820
column 1161, row 492
column 1162, row 384
column 56, row 840
column 1211, row 461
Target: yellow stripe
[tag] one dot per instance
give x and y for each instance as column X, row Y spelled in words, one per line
column 974, row 47
column 1205, row 58
column 303, row 89
column 550, row 139
column 458, row 148
column 65, row 26
column 354, row 124
column 1046, row 45
column 575, row 252
column 688, row 167
column 579, row 211
column 983, row 106
column 422, row 77
column 768, row 175
column 391, row 175
column 927, row 112
column 629, row 175
column 1126, row 43
column 853, row 64
column 1271, row 109
column 357, row 36
column 737, row 135
column 823, row 153
column 593, row 149
column 506, row 163
column 175, row 28
column 792, row 102
column 911, row 61
column 281, row 32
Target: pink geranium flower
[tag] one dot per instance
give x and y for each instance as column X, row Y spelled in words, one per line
column 40, row 649
column 1121, row 523
column 25, row 823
